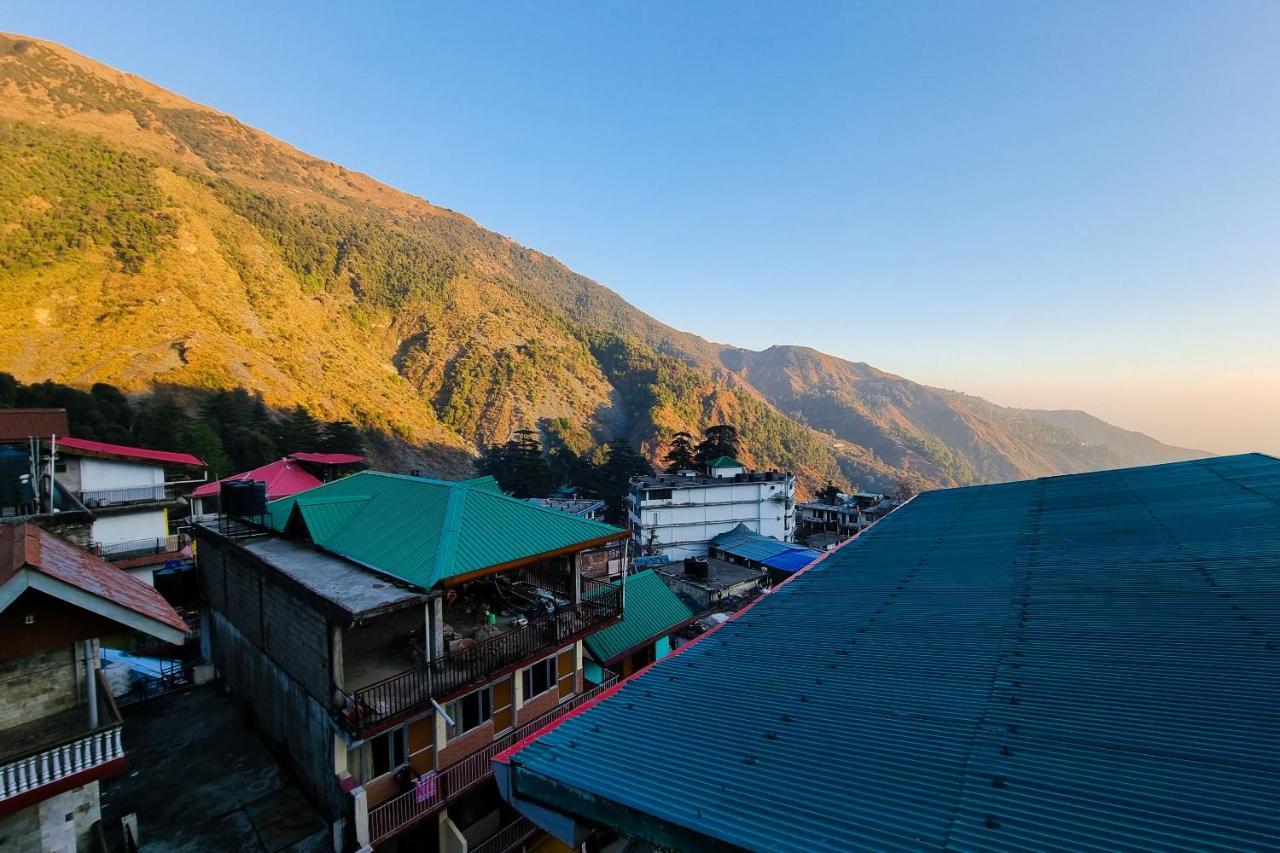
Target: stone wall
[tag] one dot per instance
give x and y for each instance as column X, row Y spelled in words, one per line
column 35, row 685
column 60, row 824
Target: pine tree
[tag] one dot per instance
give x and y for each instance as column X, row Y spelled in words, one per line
column 203, row 441
column 299, row 431
column 342, row 437
column 719, row 440
column 680, row 455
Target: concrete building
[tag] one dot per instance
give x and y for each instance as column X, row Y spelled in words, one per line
column 60, row 731
column 138, row 497
column 710, row 583
column 390, row 634
column 678, row 514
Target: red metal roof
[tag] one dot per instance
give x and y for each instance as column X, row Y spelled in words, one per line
column 328, row 458
column 284, row 477
column 21, row 424
column 28, row 546
column 101, row 448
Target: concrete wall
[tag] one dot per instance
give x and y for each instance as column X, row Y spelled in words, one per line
column 59, row 824
column 283, row 625
column 298, row 726
column 36, row 685
column 272, row 649
column 122, row 526
column 98, row 474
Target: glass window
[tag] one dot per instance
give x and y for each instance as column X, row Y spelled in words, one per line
column 539, row 678
column 470, row 711
column 658, row 495
column 387, row 751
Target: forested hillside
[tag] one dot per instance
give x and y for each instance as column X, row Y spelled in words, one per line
column 147, row 241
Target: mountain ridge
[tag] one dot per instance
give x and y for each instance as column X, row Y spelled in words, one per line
column 203, row 253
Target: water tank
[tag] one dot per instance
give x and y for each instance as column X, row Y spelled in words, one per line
column 696, row 567
column 15, row 477
column 243, row 498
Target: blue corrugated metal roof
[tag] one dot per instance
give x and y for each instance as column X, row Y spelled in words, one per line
column 744, row 542
column 1079, row 662
column 793, row 560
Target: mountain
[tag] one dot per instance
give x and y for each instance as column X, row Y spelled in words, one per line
column 146, row 240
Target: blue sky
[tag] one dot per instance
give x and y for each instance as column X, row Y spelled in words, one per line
column 1061, row 206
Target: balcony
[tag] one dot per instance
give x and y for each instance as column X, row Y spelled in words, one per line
column 129, row 549
column 399, row 813
column 98, row 498
column 508, row 838
column 516, row 640
column 59, row 752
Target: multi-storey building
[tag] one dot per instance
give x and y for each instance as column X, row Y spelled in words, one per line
column 137, row 497
column 60, row 732
column 391, row 634
column 678, row 514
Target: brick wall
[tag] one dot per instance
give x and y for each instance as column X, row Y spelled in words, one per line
column 36, row 685
column 538, row 706
column 269, row 614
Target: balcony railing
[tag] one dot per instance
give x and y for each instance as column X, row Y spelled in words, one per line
column 601, row 604
column 119, row 497
column 398, row 813
column 51, row 762
column 142, row 547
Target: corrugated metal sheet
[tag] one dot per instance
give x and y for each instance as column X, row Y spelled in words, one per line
column 793, row 560
column 425, row 531
column 1080, row 662
column 102, row 448
column 651, row 609
column 744, row 542
column 22, row 424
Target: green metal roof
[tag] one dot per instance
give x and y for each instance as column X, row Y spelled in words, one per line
column 651, row 610
column 425, row 531
column 725, row 462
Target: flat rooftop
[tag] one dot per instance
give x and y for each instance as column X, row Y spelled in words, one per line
column 676, row 481
column 349, row 587
column 721, row 574
column 1078, row 662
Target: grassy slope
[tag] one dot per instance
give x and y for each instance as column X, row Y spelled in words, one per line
column 144, row 238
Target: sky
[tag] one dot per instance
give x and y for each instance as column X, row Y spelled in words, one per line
column 1050, row 205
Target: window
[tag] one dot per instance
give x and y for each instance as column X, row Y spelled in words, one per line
column 469, row 712
column 658, row 495
column 387, row 751
column 539, row 678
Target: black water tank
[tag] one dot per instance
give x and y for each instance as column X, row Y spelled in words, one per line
column 696, row 567
column 238, row 498
column 15, row 477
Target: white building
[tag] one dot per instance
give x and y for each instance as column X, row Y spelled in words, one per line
column 678, row 514
column 132, row 492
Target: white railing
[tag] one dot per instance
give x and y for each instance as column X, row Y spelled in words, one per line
column 395, row 814
column 47, row 764
column 134, row 494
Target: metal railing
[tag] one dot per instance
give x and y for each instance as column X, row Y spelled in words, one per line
column 116, row 497
column 369, row 706
column 394, row 815
column 48, row 763
column 508, row 838
column 141, row 547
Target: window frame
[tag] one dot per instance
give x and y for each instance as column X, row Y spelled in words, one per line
column 526, row 678
column 396, row 736
column 457, row 713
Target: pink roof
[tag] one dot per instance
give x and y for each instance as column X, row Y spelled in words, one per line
column 283, row 477
column 328, row 458
column 26, row 546
column 101, row 448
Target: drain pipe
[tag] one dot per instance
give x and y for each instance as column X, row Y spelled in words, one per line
column 91, row 683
